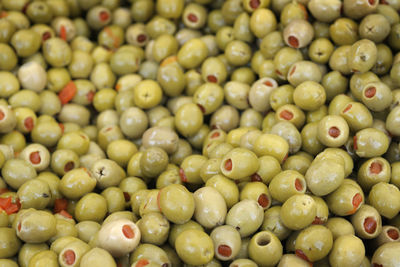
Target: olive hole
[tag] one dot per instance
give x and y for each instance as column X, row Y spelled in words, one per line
column 263, row 240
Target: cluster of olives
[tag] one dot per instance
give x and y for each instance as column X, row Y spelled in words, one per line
column 237, row 133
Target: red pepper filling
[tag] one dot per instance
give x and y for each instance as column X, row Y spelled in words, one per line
column 286, row 115
column 69, row 166
column 334, row 132
column 127, row 197
column 212, row 79
column 370, row 92
column 34, row 157
column 370, row 225
column 90, row 96
column 69, row 257
column 128, row 231
column 375, row 167
column 46, row 36
column 300, row 254
column 182, row 175
column 293, row 70
column 348, row 107
column 355, row 143
column 60, row 204
column 63, row 32
column 293, row 41
column 215, row 135
column 356, row 201
column 254, row 4
column 28, row 123
column 9, row 207
column 393, row 234
column 192, row 18
column 298, row 185
column 263, row 200
column 142, row 262
column 141, row 38
column 318, row 220
column 104, row 16
column 228, row 165
column 268, row 83
column 224, row 250
column 256, row 178
column 65, row 214
column 203, row 110
column 2, row 115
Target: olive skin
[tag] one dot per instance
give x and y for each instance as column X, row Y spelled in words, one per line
column 314, row 243
column 210, row 207
column 10, row 242
column 347, row 249
column 265, row 249
column 119, row 237
column 176, row 203
column 385, row 255
column 195, row 247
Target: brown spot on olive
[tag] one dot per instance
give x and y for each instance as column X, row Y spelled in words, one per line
column 69, row 166
column 293, row 41
column 28, row 123
column 69, row 257
column 212, row 78
column 370, row 92
column 224, row 250
column 104, row 15
column 393, row 233
column 334, row 131
column 263, row 200
column 228, row 165
column 375, row 167
column 371, row 2
column 34, row 157
column 192, row 18
column 286, row 115
column 377, row 265
column 370, row 225
column 19, row 227
column 128, row 231
column 141, row 38
column 298, row 184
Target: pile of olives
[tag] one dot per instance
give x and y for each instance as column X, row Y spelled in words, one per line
column 167, row 133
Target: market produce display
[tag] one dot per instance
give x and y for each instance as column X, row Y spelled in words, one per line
column 167, row 133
